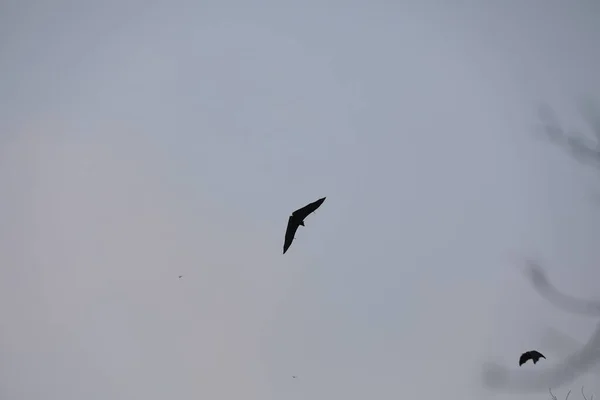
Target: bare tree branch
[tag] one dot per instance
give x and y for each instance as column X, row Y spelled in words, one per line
column 583, row 394
column 502, row 379
column 555, row 398
column 575, row 143
column 540, row 282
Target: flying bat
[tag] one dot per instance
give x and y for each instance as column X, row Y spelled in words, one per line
column 297, row 219
column 533, row 355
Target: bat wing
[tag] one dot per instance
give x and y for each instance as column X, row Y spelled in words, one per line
column 305, row 211
column 292, row 227
column 537, row 355
column 524, row 358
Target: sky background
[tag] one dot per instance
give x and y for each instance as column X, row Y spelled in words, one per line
column 140, row 141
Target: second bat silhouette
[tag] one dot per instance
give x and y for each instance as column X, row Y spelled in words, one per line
column 297, row 219
column 533, row 355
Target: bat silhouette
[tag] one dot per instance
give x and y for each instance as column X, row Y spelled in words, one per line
column 533, row 355
column 297, row 219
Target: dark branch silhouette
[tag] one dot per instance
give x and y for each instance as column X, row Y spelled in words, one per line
column 297, row 219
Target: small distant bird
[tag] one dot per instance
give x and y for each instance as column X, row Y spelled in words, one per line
column 533, row 355
column 294, row 376
column 180, row 276
column 297, row 219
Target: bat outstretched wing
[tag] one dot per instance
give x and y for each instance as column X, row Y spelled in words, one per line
column 537, row 354
column 524, row 358
column 305, row 211
column 290, row 231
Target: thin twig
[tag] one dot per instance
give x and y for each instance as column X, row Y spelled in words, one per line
column 566, row 398
column 583, row 394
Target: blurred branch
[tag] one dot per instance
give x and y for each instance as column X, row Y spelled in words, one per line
column 499, row 378
column 583, row 394
column 540, row 282
column 590, row 110
column 554, row 397
column 584, row 151
column 570, row 368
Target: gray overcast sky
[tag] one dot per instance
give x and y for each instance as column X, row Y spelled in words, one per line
column 140, row 141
